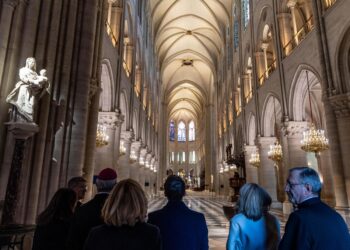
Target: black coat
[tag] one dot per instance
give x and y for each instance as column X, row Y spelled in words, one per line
column 315, row 225
column 85, row 218
column 142, row 236
column 180, row 227
column 51, row 236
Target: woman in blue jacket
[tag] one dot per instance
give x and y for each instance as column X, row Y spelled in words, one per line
column 253, row 228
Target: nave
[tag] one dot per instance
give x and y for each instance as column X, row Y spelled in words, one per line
column 211, row 207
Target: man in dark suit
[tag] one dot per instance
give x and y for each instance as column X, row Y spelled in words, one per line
column 180, row 227
column 314, row 225
column 89, row 214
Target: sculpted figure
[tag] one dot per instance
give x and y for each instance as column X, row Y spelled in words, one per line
column 28, row 91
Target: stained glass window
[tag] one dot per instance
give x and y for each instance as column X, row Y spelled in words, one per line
column 245, row 13
column 191, row 132
column 181, row 132
column 172, row 131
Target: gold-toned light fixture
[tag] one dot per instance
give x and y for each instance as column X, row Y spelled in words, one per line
column 122, row 148
column 255, row 159
column 101, row 136
column 275, row 152
column 314, row 140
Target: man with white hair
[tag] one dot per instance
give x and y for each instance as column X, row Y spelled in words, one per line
column 313, row 225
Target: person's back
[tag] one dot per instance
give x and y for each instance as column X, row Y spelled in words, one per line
column 249, row 234
column 180, row 227
column 51, row 236
column 253, row 228
column 124, row 215
column 88, row 215
column 85, row 218
column 53, row 223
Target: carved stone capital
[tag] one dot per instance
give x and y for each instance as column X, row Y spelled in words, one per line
column 294, row 129
column 93, row 89
column 341, row 105
column 265, row 141
column 291, row 3
column 136, row 146
column 11, row 3
column 127, row 136
column 109, row 119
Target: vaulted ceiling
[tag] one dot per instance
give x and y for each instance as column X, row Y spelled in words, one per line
column 189, row 38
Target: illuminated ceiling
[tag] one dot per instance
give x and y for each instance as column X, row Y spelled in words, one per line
column 189, row 37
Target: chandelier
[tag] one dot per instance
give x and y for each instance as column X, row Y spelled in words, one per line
column 255, row 159
column 314, row 140
column 101, row 136
column 275, row 152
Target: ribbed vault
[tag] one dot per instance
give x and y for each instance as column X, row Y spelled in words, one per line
column 188, row 37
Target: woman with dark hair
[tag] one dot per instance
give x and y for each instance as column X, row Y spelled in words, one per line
column 53, row 223
column 124, row 214
column 253, row 228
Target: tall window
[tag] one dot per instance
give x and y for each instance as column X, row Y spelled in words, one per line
column 181, row 157
column 192, row 157
column 172, row 131
column 191, row 132
column 235, row 29
column 181, row 132
column 171, row 157
column 245, row 13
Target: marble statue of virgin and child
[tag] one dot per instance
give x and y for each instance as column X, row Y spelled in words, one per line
column 28, row 91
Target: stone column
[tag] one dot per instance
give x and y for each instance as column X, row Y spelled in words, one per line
column 134, row 160
column 342, row 111
column 115, row 21
column 117, row 139
column 267, row 170
column 6, row 22
column 105, row 154
column 251, row 171
column 129, row 56
column 142, row 177
column 123, row 168
column 264, row 47
column 109, row 15
column 293, row 155
column 246, row 90
column 259, row 57
column 291, row 4
column 16, row 157
column 158, row 180
column 284, row 20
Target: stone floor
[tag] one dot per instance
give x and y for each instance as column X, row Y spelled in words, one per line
column 211, row 207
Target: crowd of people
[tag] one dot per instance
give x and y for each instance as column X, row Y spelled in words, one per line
column 116, row 218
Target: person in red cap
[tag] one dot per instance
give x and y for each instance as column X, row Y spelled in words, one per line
column 89, row 214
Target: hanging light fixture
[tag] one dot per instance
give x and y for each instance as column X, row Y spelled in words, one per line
column 314, row 140
column 101, row 136
column 255, row 159
column 275, row 152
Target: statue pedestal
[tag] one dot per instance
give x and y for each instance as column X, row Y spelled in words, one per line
column 18, row 137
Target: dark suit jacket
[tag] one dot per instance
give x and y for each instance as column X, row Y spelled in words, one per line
column 315, row 225
column 180, row 227
column 85, row 218
column 51, row 236
column 142, row 236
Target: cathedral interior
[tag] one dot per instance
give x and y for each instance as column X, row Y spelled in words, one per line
column 219, row 92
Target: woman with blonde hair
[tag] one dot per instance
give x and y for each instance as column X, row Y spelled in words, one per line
column 253, row 228
column 124, row 214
